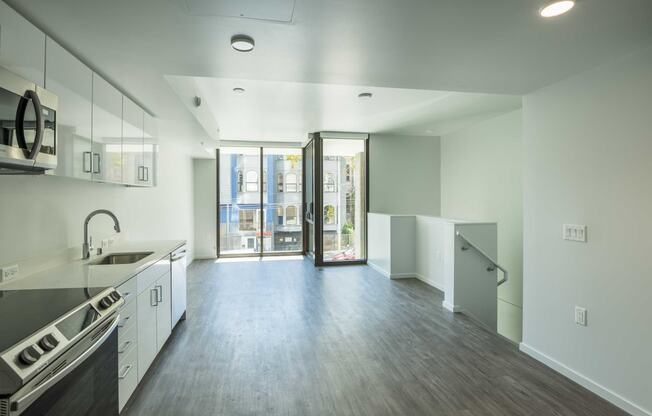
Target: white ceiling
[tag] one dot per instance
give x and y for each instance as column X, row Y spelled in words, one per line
column 484, row 46
column 288, row 111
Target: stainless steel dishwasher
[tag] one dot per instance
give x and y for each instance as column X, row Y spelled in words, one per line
column 179, row 296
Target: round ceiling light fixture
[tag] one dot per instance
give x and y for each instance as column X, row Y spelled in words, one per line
column 556, row 8
column 242, row 43
column 238, row 90
column 365, row 95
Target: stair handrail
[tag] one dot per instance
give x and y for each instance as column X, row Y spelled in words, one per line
column 494, row 263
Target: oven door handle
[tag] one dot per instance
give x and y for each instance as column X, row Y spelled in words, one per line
column 30, row 95
column 20, row 404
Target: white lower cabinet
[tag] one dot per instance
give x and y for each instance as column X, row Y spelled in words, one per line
column 145, row 325
column 127, row 375
column 147, row 312
column 163, row 311
column 154, row 321
column 127, row 343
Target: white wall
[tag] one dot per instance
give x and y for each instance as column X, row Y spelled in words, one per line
column 404, row 174
column 205, row 192
column 588, row 160
column 481, row 178
column 45, row 213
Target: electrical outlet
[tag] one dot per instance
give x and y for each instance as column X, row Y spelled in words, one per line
column 580, row 316
column 572, row 232
column 8, row 273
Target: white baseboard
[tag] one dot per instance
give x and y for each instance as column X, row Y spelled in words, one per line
column 585, row 382
column 378, row 269
column 388, row 274
column 402, row 276
column 451, row 307
column 430, row 282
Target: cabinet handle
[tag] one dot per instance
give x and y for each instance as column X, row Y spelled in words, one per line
column 124, row 347
column 97, row 166
column 159, row 290
column 146, row 173
column 153, row 300
column 87, row 162
column 141, row 173
column 125, row 372
column 124, row 322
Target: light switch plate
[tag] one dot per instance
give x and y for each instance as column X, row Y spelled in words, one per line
column 574, row 232
column 580, row 316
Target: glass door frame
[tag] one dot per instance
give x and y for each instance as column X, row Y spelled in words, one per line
column 261, row 177
column 318, row 189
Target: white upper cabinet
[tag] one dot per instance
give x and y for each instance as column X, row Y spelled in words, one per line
column 107, row 132
column 72, row 82
column 150, row 151
column 22, row 46
column 132, row 143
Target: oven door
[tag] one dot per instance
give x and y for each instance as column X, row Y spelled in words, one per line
column 83, row 381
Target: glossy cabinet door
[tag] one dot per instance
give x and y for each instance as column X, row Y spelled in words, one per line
column 150, row 151
column 72, row 82
column 106, row 159
column 133, row 172
column 147, row 339
column 22, row 46
column 163, row 311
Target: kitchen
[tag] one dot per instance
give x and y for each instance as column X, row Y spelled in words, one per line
column 104, row 294
column 310, row 207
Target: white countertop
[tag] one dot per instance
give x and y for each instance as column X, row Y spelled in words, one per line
column 80, row 273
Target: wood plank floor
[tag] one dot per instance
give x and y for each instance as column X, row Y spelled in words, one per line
column 285, row 338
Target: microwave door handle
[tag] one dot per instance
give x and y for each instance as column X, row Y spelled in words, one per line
column 24, row 401
column 30, row 95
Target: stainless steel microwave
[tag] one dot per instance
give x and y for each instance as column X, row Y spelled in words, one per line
column 28, row 126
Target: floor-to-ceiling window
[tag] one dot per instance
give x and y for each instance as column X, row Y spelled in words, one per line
column 344, row 200
column 260, row 201
column 283, row 200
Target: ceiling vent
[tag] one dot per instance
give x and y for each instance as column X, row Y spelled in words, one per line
column 271, row 10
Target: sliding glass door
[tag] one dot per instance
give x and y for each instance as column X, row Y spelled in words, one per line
column 260, row 201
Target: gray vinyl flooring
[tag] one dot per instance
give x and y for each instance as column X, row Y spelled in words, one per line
column 284, row 338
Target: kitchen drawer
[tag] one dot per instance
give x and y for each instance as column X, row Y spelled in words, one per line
column 128, row 316
column 127, row 377
column 150, row 275
column 126, row 341
column 128, row 289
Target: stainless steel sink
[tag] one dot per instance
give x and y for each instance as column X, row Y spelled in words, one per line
column 121, row 258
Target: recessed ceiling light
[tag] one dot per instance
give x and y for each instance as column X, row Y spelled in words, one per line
column 238, row 90
column 365, row 95
column 556, row 8
column 242, row 43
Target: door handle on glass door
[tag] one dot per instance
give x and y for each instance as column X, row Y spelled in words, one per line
column 159, row 290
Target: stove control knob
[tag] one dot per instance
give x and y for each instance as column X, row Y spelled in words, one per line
column 106, row 302
column 29, row 355
column 115, row 295
column 48, row 343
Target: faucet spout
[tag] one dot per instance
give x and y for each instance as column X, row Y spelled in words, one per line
column 116, row 226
